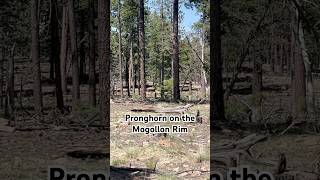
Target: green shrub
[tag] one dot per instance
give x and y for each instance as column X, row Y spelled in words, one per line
column 166, row 88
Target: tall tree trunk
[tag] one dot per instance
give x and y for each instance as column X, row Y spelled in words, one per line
column 64, row 49
column 51, row 57
column 162, row 52
column 120, row 48
column 35, row 54
column 127, row 75
column 2, row 56
column 9, row 112
column 74, row 57
column 175, row 53
column 292, row 50
column 142, row 50
column 307, row 66
column 130, row 65
column 216, row 83
column 299, row 102
column 281, row 54
column 203, row 72
column 92, row 56
column 55, row 53
column 273, row 49
column 82, row 49
column 104, row 56
column 134, row 79
column 300, row 88
column 256, row 89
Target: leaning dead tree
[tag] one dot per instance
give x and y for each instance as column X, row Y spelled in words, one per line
column 245, row 49
column 232, row 154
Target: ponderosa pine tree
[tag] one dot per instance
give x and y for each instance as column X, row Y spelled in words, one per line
column 142, row 50
column 216, row 86
column 104, row 55
column 120, row 48
column 55, row 53
column 175, row 53
column 35, row 55
column 63, row 48
column 74, row 57
column 92, row 56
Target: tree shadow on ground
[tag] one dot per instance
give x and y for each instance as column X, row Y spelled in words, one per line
column 126, row 173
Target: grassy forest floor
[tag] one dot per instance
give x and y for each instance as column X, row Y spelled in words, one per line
column 300, row 144
column 27, row 155
column 54, row 139
column 177, row 156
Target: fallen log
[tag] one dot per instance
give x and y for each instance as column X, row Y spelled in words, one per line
column 229, row 154
column 180, row 109
column 84, row 154
column 4, row 126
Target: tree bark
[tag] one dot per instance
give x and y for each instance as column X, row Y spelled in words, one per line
column 120, row 49
column 216, row 83
column 82, row 50
column 162, row 52
column 92, row 56
column 35, row 55
column 9, row 112
column 175, row 53
column 2, row 56
column 292, row 49
column 299, row 102
column 256, row 89
column 104, row 56
column 74, row 57
column 142, row 50
column 300, row 88
column 63, row 49
column 307, row 66
column 55, row 53
column 273, row 49
column 203, row 72
column 130, row 66
column 126, row 60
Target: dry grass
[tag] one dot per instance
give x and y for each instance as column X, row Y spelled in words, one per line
column 169, row 155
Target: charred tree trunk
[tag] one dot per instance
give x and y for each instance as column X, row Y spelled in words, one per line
column 120, row 48
column 74, row 57
column 92, row 56
column 104, row 56
column 35, row 54
column 55, row 53
column 216, row 83
column 63, row 49
column 175, row 53
column 142, row 77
